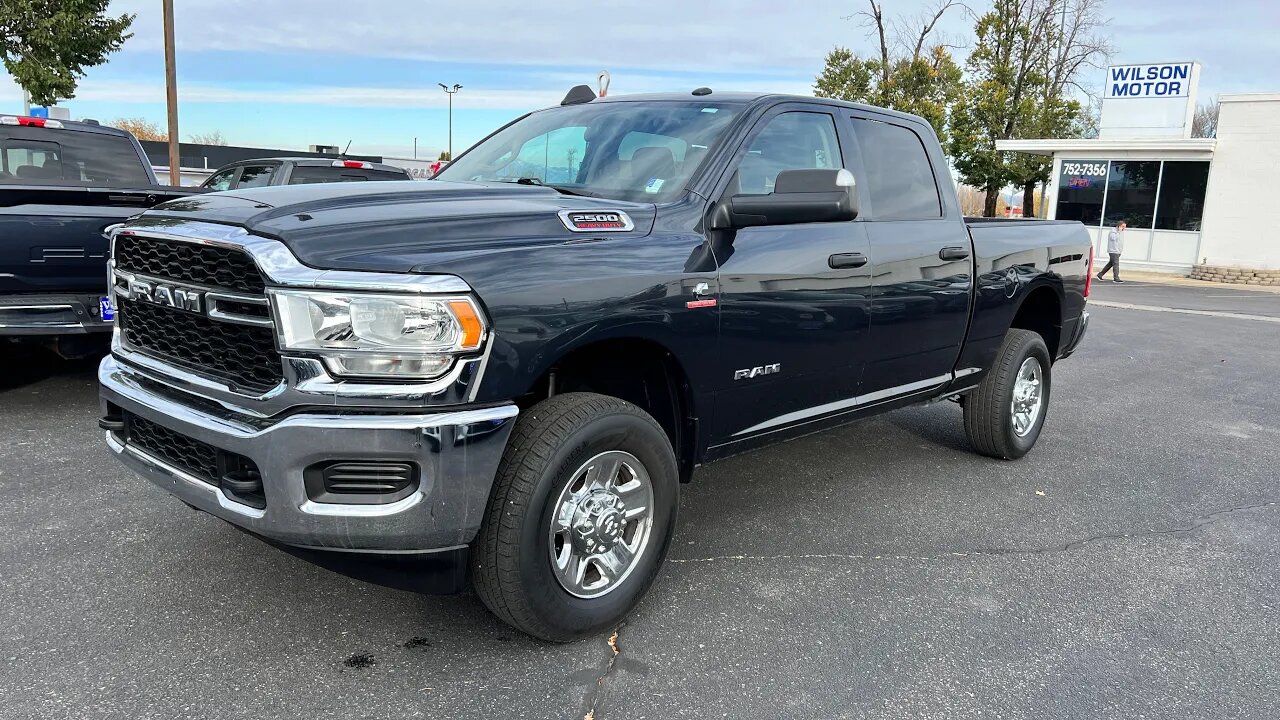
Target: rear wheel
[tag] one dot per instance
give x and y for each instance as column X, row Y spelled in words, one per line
column 1004, row 415
column 581, row 515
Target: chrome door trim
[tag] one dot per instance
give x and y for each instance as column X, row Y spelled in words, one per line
column 809, row 413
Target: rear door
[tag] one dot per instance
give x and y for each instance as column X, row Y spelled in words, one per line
column 922, row 256
column 794, row 299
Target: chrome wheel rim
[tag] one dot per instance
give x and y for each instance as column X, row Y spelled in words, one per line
column 600, row 524
column 1028, row 396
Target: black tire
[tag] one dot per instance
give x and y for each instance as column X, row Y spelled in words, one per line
column 511, row 568
column 988, row 415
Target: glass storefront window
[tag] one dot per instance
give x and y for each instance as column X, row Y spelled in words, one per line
column 1182, row 195
column 1131, row 192
column 1080, row 190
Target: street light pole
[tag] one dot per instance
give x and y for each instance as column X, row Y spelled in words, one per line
column 171, row 93
column 450, row 92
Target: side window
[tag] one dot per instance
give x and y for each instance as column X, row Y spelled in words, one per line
column 899, row 176
column 256, row 176
column 222, row 180
column 791, row 141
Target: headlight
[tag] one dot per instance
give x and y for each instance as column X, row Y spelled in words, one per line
column 376, row 335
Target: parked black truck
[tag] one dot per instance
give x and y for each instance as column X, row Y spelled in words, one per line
column 61, row 184
column 519, row 362
column 264, row 172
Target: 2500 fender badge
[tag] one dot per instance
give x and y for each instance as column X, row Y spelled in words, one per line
column 587, row 221
column 757, row 371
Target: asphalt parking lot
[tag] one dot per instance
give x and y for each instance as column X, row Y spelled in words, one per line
column 1127, row 568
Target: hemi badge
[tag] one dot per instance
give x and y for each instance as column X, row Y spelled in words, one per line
column 700, row 303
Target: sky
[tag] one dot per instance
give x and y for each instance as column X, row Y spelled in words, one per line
column 292, row 73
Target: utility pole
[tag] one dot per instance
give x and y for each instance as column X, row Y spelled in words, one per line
column 450, row 92
column 26, row 103
column 171, row 93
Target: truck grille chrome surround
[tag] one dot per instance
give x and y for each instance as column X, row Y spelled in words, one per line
column 242, row 367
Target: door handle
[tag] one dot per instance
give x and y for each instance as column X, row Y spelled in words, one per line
column 953, row 253
column 847, row 260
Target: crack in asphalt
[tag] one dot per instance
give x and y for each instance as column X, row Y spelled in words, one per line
column 1196, row 524
column 594, row 695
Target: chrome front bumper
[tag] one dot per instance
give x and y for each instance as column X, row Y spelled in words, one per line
column 457, row 453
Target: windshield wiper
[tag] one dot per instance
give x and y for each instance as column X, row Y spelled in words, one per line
column 558, row 188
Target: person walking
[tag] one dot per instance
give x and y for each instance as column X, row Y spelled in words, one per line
column 1115, row 246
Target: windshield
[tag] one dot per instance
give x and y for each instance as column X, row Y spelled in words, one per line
column 635, row 151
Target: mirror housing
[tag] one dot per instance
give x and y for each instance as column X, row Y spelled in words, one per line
column 799, row 196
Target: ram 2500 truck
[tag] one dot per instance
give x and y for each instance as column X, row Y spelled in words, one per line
column 61, row 184
column 517, row 364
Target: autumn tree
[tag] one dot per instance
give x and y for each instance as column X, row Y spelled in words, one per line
column 47, row 44
column 913, row 71
column 141, row 128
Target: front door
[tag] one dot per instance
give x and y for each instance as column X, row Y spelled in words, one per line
column 794, row 299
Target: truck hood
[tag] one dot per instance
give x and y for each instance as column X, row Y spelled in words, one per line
column 400, row 226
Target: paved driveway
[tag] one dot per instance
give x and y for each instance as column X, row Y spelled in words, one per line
column 1125, row 569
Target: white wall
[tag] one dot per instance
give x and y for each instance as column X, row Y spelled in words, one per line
column 1242, row 209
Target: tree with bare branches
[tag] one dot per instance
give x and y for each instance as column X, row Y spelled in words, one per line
column 1204, row 124
column 210, row 138
column 912, row 72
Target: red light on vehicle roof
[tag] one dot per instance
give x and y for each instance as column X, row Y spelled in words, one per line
column 29, row 121
column 352, row 164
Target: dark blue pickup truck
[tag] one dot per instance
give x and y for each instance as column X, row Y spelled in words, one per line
column 514, row 366
column 61, row 184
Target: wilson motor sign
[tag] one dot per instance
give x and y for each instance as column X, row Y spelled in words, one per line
column 1155, row 100
column 1148, row 81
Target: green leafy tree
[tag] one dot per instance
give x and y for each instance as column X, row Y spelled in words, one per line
column 1022, row 73
column 47, row 44
column 444, row 155
column 910, row 74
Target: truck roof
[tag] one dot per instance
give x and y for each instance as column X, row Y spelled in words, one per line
column 91, row 126
column 751, row 98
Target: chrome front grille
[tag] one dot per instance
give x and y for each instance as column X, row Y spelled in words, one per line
column 200, row 307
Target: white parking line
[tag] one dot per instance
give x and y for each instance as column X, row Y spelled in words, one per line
column 1184, row 311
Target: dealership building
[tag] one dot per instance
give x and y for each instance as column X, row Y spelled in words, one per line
column 1191, row 204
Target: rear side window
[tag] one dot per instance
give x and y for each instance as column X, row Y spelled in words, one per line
column 31, row 155
column 256, row 176
column 307, row 175
column 899, row 177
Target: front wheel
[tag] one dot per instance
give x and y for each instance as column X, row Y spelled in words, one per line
column 1004, row 415
column 581, row 515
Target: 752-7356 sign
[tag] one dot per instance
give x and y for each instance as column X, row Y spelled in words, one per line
column 1091, row 169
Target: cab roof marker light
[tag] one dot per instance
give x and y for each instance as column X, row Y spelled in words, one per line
column 30, row 122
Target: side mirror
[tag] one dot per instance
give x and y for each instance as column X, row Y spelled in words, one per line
column 799, row 196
